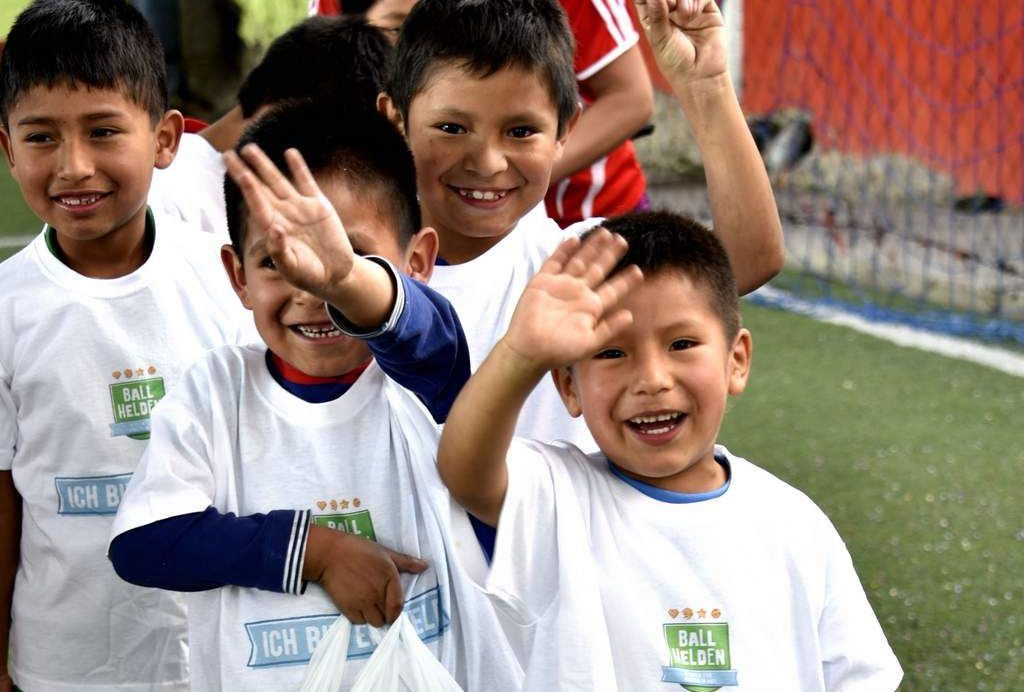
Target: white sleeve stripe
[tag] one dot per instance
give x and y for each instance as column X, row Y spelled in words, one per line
column 620, row 26
column 296, row 554
column 616, row 19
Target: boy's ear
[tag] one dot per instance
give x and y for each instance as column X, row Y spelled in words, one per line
column 569, row 127
column 421, row 254
column 387, row 108
column 236, row 273
column 739, row 361
column 168, row 136
column 565, row 383
column 5, row 141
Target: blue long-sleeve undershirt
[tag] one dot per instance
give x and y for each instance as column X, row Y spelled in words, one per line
column 424, row 350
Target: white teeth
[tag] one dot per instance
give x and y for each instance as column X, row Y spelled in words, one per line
column 79, row 201
column 486, row 195
column 655, row 419
column 317, row 332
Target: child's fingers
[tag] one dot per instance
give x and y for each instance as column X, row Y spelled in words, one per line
column 557, row 259
column 267, row 172
column 612, row 291
column 303, row 177
column 393, row 600
column 252, row 189
column 596, row 257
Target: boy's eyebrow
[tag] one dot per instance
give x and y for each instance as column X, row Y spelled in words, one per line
column 48, row 120
column 451, row 112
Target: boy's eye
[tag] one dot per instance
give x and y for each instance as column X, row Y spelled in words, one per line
column 38, row 138
column 609, row 353
column 682, row 344
column 101, row 132
column 451, row 128
column 521, row 132
column 267, row 263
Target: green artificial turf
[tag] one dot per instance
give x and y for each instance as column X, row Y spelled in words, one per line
column 918, row 460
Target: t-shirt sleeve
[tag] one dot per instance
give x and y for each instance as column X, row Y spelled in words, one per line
column 8, row 422
column 603, row 31
column 175, row 475
column 855, row 654
column 524, row 575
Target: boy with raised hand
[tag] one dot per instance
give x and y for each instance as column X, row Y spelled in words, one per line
column 300, row 461
column 486, row 95
column 100, row 315
column 661, row 558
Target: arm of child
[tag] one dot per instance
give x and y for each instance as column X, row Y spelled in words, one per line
column 688, row 39
column 568, row 309
column 622, row 103
column 306, row 239
column 207, row 550
column 10, row 537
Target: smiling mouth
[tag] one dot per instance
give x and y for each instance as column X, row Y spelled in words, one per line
column 481, row 195
column 318, row 331
column 657, row 424
column 83, row 200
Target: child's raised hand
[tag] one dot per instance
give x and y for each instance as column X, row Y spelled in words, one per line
column 360, row 576
column 688, row 37
column 569, row 308
column 304, row 236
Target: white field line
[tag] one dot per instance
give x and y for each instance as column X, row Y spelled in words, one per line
column 902, row 335
column 16, row 240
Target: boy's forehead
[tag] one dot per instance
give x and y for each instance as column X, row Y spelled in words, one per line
column 452, row 85
column 73, row 99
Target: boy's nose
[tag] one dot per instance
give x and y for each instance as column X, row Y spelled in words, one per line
column 74, row 162
column 651, row 376
column 486, row 159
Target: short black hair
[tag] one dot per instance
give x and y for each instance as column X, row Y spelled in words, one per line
column 357, row 145
column 341, row 56
column 661, row 241
column 100, row 44
column 485, row 36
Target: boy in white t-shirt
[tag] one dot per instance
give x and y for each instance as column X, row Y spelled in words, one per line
column 662, row 558
column 343, row 57
column 99, row 316
column 486, row 95
column 299, row 462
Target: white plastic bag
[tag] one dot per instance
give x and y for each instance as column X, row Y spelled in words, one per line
column 400, row 663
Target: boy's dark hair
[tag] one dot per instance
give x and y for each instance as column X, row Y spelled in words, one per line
column 664, row 241
column 102, row 44
column 485, row 36
column 358, row 146
column 340, row 56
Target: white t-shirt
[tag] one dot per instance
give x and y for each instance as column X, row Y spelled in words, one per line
column 609, row 588
column 192, row 187
column 82, row 362
column 485, row 292
column 231, row 437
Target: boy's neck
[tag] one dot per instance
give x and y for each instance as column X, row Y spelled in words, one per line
column 457, row 248
column 116, row 254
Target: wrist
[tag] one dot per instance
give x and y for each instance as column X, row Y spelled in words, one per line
column 518, row 366
column 316, row 546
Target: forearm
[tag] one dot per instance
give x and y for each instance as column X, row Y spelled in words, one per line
column 476, row 438
column 206, row 550
column 622, row 104
column 10, row 538
column 746, row 219
column 365, row 296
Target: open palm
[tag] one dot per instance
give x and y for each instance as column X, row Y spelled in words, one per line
column 569, row 308
column 304, row 235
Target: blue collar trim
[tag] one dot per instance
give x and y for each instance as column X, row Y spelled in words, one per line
column 672, row 497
